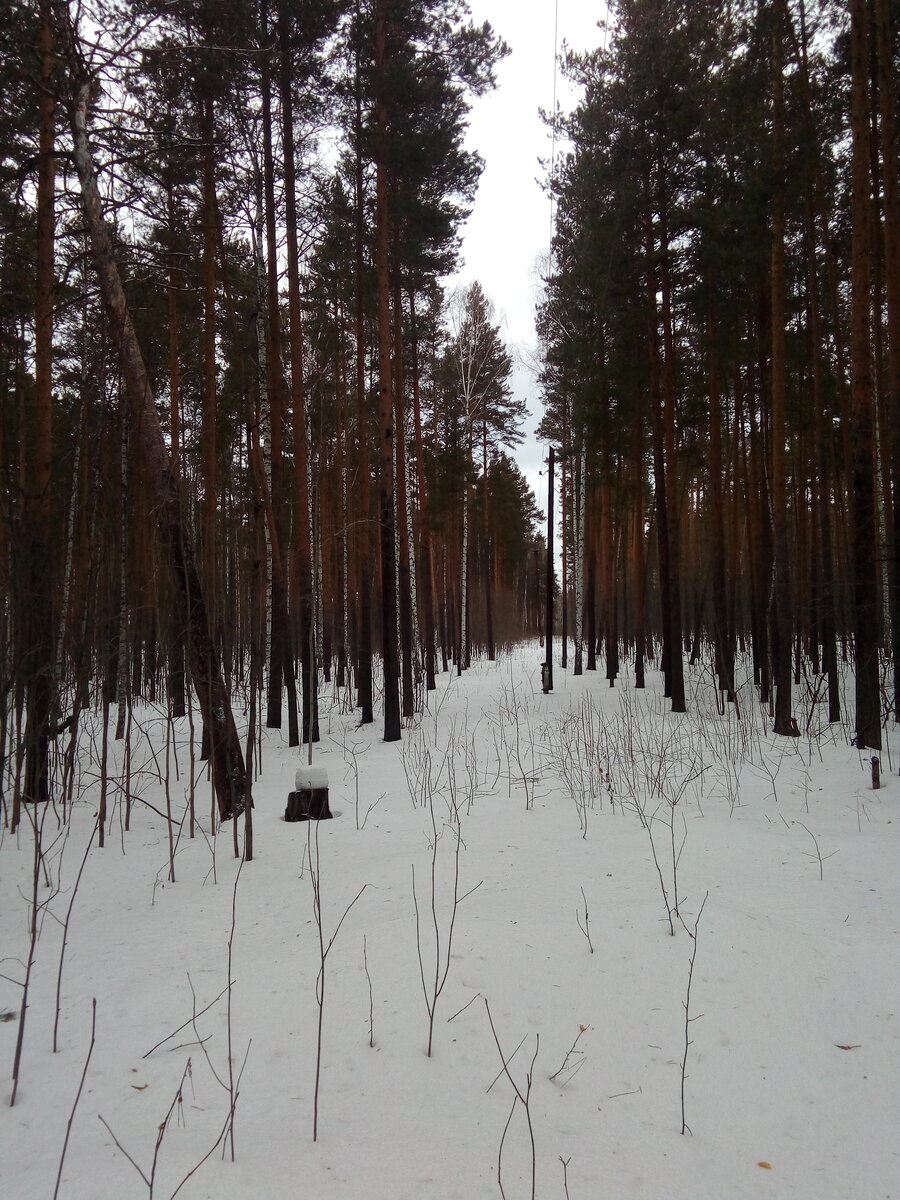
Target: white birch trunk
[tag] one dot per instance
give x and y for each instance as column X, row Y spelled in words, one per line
column 265, row 416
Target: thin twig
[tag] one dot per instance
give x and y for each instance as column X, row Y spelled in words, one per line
column 62, row 1157
column 688, row 1019
column 460, row 1011
column 565, row 1166
column 586, row 927
column 189, row 1021
column 582, row 1030
column 371, row 1001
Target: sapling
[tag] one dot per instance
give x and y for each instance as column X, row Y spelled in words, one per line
column 817, row 857
column 324, row 951
column 149, row 1176
column 565, row 1166
column 65, row 1146
column 442, row 928
column 573, row 1062
column 37, row 814
column 169, row 802
column 646, row 822
column 522, row 1096
column 232, row 1082
column 371, row 999
column 586, row 927
column 770, row 770
column 65, row 931
column 688, row 1019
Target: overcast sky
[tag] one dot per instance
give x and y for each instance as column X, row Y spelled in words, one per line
column 508, row 234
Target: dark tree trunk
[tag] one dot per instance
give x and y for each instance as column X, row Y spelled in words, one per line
column 281, row 665
column 302, row 530
column 865, row 584
column 660, row 491
column 488, row 565
column 175, row 685
column 781, row 613
column 402, row 511
column 386, row 388
column 548, row 601
column 890, row 170
column 670, row 482
column 425, row 588
column 364, row 555
column 722, row 634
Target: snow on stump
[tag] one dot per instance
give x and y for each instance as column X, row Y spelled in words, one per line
column 310, row 800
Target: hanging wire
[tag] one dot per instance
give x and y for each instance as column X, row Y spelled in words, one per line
column 553, row 124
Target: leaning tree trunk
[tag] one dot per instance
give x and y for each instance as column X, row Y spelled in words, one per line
column 37, row 657
column 228, row 772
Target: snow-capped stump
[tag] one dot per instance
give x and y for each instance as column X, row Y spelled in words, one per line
column 309, row 802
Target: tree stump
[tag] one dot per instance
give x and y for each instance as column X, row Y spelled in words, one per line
column 309, row 802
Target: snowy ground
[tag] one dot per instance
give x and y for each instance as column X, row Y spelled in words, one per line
column 547, row 806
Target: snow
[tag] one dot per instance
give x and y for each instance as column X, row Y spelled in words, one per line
column 791, row 1085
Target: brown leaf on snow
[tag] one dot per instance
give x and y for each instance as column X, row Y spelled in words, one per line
column 139, row 1087
column 765, row 1166
column 840, row 1047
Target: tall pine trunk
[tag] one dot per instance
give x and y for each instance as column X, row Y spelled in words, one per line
column 387, row 489
column 302, row 531
column 781, row 613
column 865, row 583
column 890, row 169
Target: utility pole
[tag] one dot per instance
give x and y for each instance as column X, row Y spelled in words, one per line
column 547, row 671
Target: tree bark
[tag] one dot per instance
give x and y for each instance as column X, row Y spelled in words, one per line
column 364, row 541
column 426, row 564
column 865, row 584
column 890, row 168
column 387, row 487
column 781, row 614
column 303, row 545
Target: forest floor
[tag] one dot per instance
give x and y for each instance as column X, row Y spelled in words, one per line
column 569, row 826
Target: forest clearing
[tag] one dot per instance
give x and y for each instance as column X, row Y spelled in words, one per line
column 577, row 858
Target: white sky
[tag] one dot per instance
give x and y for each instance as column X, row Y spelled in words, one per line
column 508, row 233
